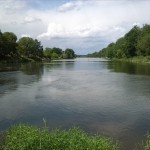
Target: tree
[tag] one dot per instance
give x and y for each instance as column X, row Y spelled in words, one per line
column 145, row 30
column 135, row 42
column 54, row 56
column 1, row 45
column 69, row 53
column 57, row 51
column 110, row 50
column 8, row 41
column 120, row 48
column 120, row 53
column 143, row 46
column 48, row 52
column 39, row 49
column 131, row 41
column 29, row 47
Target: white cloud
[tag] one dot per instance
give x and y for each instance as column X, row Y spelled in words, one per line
column 95, row 24
column 54, row 30
column 12, row 6
column 70, row 6
column 25, row 35
column 29, row 19
column 83, row 31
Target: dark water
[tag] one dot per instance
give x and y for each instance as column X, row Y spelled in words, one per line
column 98, row 96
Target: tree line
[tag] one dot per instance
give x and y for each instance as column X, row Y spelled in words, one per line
column 29, row 48
column 134, row 43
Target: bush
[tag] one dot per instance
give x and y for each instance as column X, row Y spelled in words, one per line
column 23, row 137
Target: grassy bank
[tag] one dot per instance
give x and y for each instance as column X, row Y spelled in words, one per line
column 147, row 144
column 134, row 59
column 24, row 60
column 24, row 137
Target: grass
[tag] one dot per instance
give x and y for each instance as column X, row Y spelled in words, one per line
column 23, row 137
column 147, row 144
column 139, row 59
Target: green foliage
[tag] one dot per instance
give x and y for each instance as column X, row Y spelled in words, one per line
column 48, row 52
column 64, row 56
column 147, row 144
column 25, row 49
column 120, row 53
column 135, row 43
column 7, row 44
column 56, row 50
column 69, row 53
column 143, row 46
column 131, row 41
column 110, row 50
column 55, row 53
column 95, row 54
column 28, row 50
column 29, row 47
column 24, row 137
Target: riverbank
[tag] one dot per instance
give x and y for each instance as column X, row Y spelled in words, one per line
column 23, row 137
column 134, row 59
column 28, row 60
column 24, row 60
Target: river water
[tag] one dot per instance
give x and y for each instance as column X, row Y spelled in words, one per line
column 96, row 95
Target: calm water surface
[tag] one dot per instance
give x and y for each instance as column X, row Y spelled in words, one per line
column 98, row 96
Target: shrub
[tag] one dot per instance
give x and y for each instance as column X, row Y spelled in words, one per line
column 23, row 137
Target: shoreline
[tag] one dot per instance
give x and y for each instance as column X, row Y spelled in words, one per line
column 143, row 60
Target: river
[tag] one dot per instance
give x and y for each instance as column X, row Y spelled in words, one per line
column 96, row 95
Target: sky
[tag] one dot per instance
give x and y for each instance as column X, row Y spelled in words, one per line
column 83, row 25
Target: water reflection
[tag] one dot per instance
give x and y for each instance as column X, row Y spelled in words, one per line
column 130, row 68
column 13, row 75
column 94, row 95
column 59, row 65
column 9, row 67
column 32, row 69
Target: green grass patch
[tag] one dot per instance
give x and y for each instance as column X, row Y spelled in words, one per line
column 23, row 137
column 140, row 59
column 147, row 143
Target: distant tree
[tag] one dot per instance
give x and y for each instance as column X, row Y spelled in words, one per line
column 120, row 48
column 39, row 49
column 1, row 45
column 57, row 51
column 48, row 52
column 110, row 50
column 64, row 56
column 54, row 55
column 69, row 53
column 95, row 54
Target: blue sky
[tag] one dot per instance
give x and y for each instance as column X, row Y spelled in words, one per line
column 83, row 25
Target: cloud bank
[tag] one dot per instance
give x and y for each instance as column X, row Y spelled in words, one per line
column 91, row 24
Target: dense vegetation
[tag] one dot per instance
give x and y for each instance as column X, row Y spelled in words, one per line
column 136, row 43
column 56, row 53
column 24, row 137
column 26, row 49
